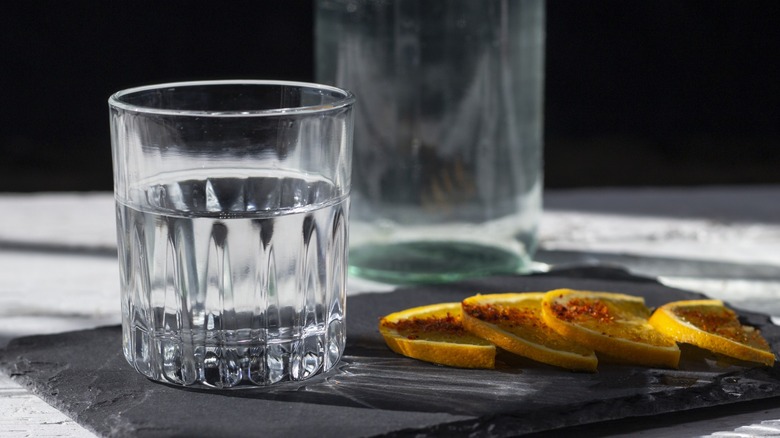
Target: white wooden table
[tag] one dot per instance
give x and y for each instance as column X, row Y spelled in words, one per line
column 58, row 270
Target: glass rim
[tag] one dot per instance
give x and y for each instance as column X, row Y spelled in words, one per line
column 346, row 99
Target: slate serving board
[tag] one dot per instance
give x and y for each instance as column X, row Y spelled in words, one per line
column 375, row 392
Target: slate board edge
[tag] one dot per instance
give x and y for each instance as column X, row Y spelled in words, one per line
column 24, row 379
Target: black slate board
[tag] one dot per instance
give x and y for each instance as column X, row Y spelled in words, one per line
column 377, row 393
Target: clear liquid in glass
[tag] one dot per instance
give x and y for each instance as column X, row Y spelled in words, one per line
column 233, row 281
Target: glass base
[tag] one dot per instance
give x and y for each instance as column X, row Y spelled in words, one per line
column 432, row 261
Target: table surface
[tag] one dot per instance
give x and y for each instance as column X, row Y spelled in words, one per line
column 58, row 272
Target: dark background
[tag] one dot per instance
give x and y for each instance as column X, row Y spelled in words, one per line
column 657, row 92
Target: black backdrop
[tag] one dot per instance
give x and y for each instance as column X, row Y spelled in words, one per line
column 662, row 92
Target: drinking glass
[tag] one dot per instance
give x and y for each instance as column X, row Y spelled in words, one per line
column 232, row 202
column 447, row 177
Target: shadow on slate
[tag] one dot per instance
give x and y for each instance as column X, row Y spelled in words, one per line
column 375, row 392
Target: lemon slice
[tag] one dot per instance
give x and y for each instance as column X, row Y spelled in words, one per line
column 435, row 334
column 513, row 321
column 710, row 325
column 610, row 323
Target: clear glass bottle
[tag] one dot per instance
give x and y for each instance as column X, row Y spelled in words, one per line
column 447, row 170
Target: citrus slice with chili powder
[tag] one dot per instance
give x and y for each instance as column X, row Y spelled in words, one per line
column 435, row 333
column 610, row 323
column 513, row 321
column 709, row 324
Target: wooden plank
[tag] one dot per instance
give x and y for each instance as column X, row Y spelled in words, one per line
column 26, row 415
